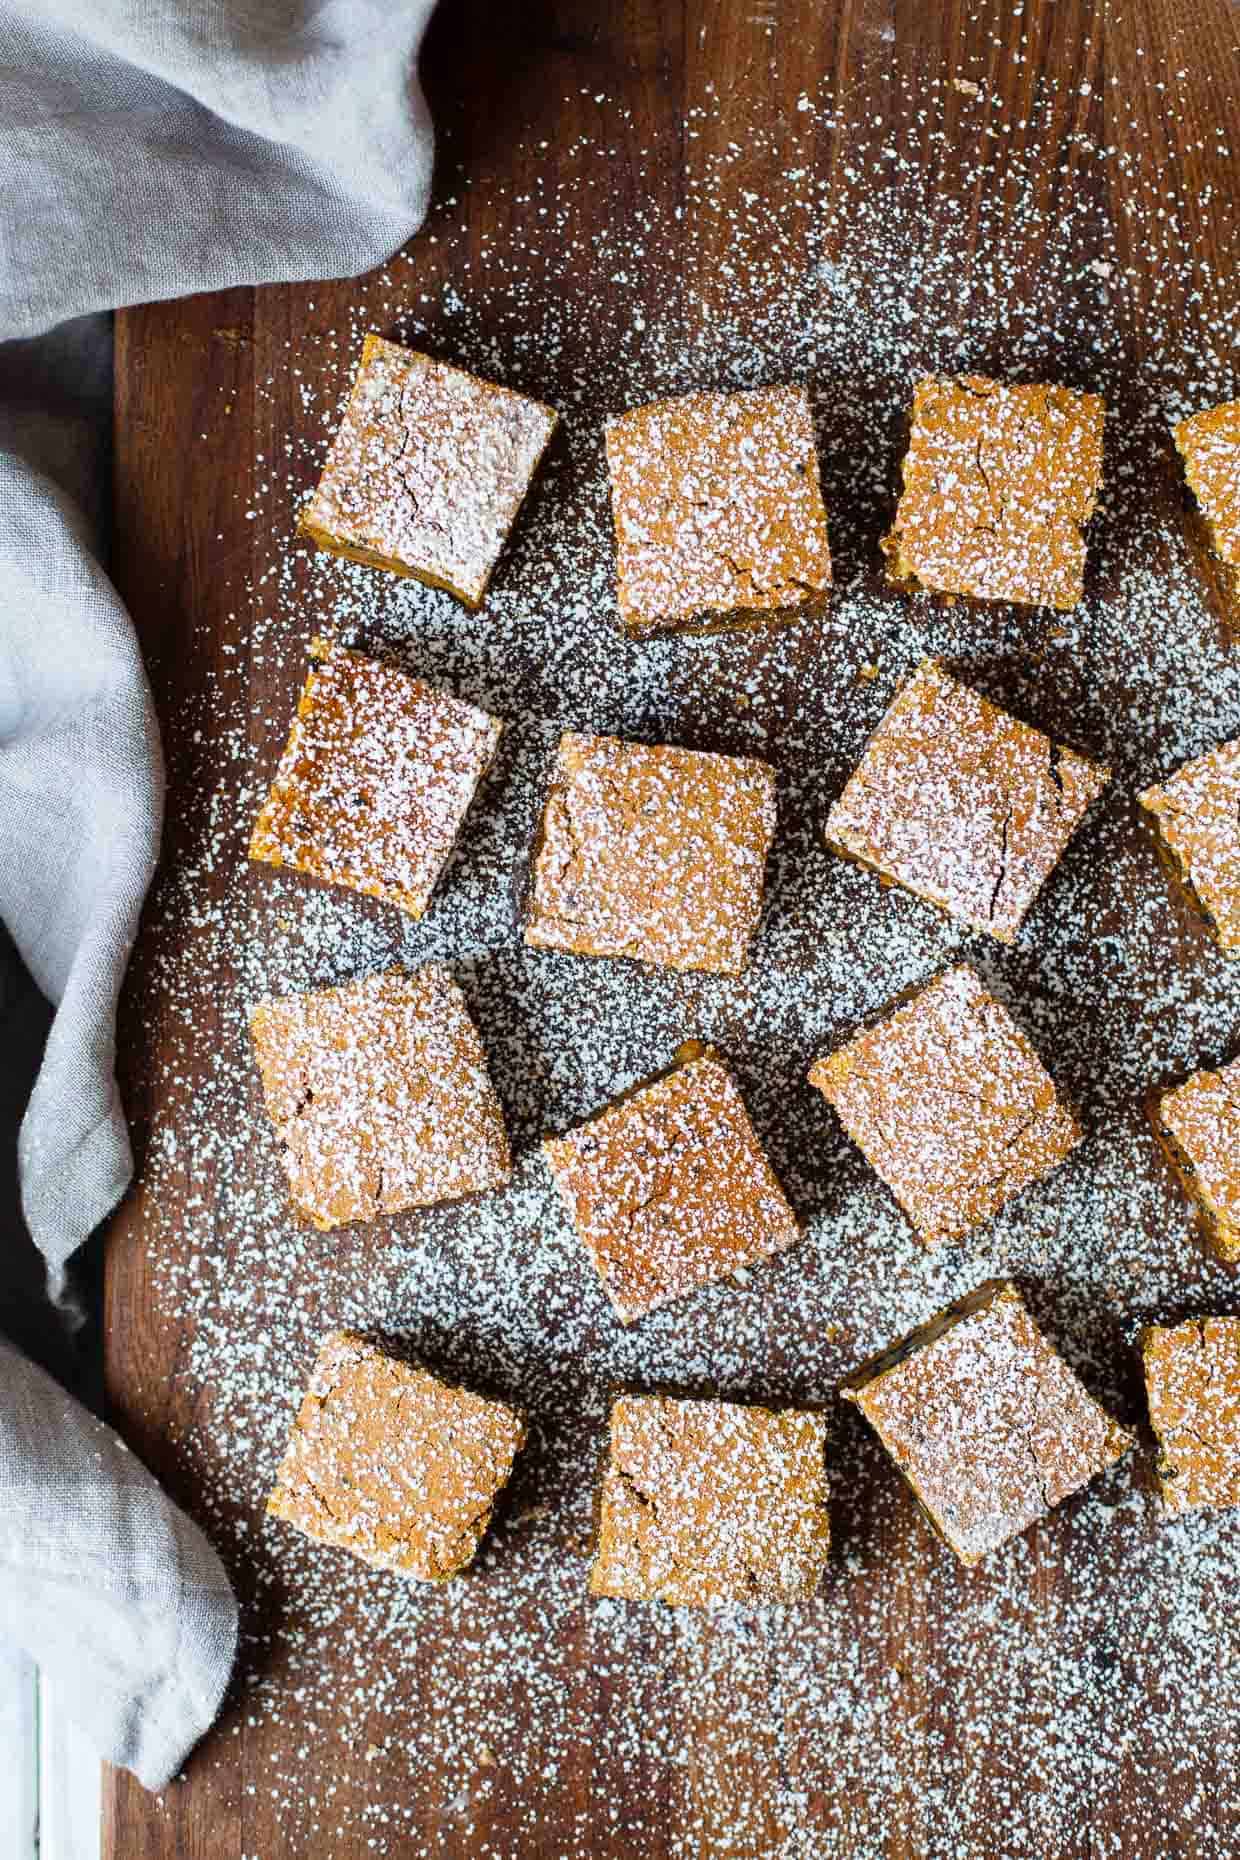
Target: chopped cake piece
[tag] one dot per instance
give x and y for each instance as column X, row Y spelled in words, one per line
column 949, row 1104
column 655, row 853
column 1195, row 815
column 999, row 482
column 387, row 1462
column 1192, row 1379
column 718, row 511
column 987, row 1423
column 1198, row 1125
column 1209, row 444
column 668, row 1188
column 964, row 806
column 380, row 1096
column 375, row 782
column 706, row 1502
column 427, row 471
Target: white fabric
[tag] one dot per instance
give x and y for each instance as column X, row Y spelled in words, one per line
column 148, row 149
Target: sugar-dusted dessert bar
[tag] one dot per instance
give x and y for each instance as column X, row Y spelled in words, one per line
column 390, row 1463
column 1209, row 444
column 960, row 803
column 652, row 852
column 707, row 1502
column 949, row 1104
column 1000, row 479
column 986, row 1422
column 1192, row 1381
column 1195, row 815
column 375, row 781
column 718, row 511
column 380, row 1097
column 668, row 1188
column 427, row 471
column 1198, row 1125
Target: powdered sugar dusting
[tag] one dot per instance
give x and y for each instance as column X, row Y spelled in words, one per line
column 950, row 1104
column 998, row 483
column 1198, row 821
column 428, row 469
column 1091, row 1662
column 962, row 803
column 375, row 781
column 669, row 1189
column 653, row 852
column 380, row 1097
column 706, row 1502
column 388, row 1463
column 988, row 1425
column 717, row 509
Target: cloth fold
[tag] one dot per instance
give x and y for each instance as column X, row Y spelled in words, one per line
column 145, row 152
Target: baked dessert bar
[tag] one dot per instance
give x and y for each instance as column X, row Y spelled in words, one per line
column 1209, row 444
column 377, row 777
column 1000, row 479
column 668, row 1189
column 707, row 1502
column 1198, row 1125
column 1192, row 1380
column 393, row 1465
column 949, row 1104
column 960, row 803
column 380, row 1096
column 427, row 470
column 1195, row 816
column 651, row 852
column 986, row 1422
column 718, row 511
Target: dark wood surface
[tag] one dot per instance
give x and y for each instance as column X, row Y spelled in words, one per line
column 1119, row 121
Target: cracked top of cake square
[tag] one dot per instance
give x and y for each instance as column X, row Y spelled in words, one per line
column 380, row 1096
column 718, row 510
column 375, row 781
column 999, row 481
column 669, row 1189
column 427, row 470
column 985, row 1420
column 961, row 803
column 1196, row 815
column 652, row 852
column 1192, row 1380
column 1198, row 1124
column 395, row 1466
column 1209, row 444
column 708, row 1502
column 949, row 1104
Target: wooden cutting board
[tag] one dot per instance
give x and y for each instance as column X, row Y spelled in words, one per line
column 631, row 199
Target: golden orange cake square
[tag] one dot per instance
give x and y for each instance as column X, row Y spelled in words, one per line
column 985, row 1420
column 708, row 1502
column 962, row 804
column 376, row 780
column 427, row 470
column 652, row 852
column 1000, row 479
column 669, row 1189
column 393, row 1465
column 380, row 1096
column 718, row 510
column 949, row 1104
column 1195, row 815
column 1198, row 1125
column 1209, row 444
column 1192, row 1381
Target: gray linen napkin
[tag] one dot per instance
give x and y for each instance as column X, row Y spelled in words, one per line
column 145, row 152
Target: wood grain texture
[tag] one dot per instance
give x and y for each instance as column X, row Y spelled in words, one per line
column 204, row 397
